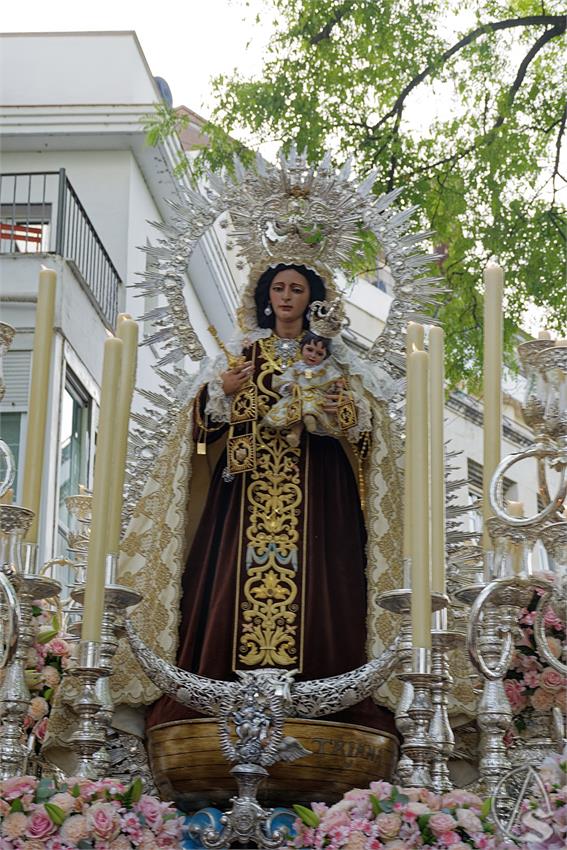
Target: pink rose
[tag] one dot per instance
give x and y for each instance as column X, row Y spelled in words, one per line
column 527, row 617
column 356, row 841
column 148, row 841
column 39, row 824
column 555, row 646
column 551, row 680
column 542, row 700
column 40, row 729
column 388, row 825
column 516, row 697
column 550, row 618
column 58, row 646
column 17, row 787
column 50, row 676
column 38, row 708
column 531, row 679
column 414, row 809
column 120, row 843
column 75, row 829
column 151, row 809
column 65, row 801
column 103, row 820
column 561, row 701
column 380, row 789
column 460, row 845
column 131, row 824
column 469, row 821
column 14, row 826
column 441, row 822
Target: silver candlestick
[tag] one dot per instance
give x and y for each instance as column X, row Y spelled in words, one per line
column 15, row 522
column 116, row 600
column 418, row 746
column 89, row 736
column 443, row 640
column 399, row 602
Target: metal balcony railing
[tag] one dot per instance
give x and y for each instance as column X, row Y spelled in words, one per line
column 40, row 212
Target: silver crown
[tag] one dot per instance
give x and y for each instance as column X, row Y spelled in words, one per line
column 328, row 318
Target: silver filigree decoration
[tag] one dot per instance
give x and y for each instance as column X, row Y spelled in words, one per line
column 306, row 699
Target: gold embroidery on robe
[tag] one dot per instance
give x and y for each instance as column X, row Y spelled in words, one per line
column 271, row 575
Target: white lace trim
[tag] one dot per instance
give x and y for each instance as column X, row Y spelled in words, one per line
column 373, row 378
column 364, row 419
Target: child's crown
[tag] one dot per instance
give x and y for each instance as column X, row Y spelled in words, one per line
column 327, row 318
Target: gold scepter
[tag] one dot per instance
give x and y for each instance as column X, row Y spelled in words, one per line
column 233, row 359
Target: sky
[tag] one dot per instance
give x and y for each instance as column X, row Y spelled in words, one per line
column 185, row 43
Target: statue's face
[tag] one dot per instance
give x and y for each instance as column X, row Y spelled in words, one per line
column 314, row 352
column 289, row 295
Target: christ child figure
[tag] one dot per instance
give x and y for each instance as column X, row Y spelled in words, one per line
column 309, row 389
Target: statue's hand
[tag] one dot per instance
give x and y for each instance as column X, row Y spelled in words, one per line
column 235, row 378
column 332, row 399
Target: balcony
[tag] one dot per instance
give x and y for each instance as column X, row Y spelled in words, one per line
column 40, row 212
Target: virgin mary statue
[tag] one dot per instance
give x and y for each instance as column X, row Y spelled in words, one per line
column 251, row 552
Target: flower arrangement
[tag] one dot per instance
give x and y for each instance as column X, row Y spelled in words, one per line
column 43, row 815
column 531, row 685
column 542, row 818
column 48, row 658
column 385, row 817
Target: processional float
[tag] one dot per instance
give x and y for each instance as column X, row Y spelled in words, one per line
column 287, row 213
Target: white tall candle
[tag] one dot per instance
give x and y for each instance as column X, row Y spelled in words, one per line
column 38, row 397
column 437, row 457
column 104, row 459
column 418, row 363
column 127, row 331
column 414, row 342
column 492, row 384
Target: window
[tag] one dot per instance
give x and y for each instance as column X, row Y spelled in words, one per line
column 11, row 433
column 74, row 449
column 24, row 228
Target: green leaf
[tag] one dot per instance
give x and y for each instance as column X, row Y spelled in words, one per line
column 44, row 790
column 55, row 813
column 136, row 789
column 75, row 790
column 486, row 807
column 375, row 802
column 47, row 635
column 308, row 816
column 16, row 805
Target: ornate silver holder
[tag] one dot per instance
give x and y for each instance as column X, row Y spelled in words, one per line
column 89, row 736
column 116, row 600
column 419, row 747
column 443, row 641
column 246, row 821
column 490, row 644
column 19, row 564
column 399, row 602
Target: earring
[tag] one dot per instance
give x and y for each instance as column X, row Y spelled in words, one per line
column 268, row 309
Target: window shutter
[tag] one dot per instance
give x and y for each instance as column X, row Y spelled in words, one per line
column 16, row 367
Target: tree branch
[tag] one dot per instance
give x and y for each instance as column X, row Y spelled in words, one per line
column 530, row 55
column 325, row 33
column 558, row 144
column 558, row 22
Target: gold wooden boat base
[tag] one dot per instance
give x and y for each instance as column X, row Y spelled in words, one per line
column 189, row 768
